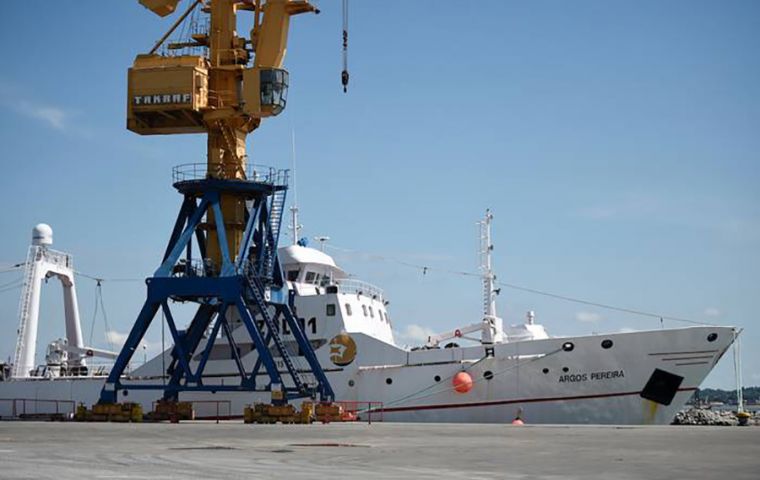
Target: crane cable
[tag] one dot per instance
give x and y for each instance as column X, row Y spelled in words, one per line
column 344, row 73
column 100, row 305
column 12, row 285
column 425, row 269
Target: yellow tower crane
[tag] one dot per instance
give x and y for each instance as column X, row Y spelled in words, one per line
column 225, row 92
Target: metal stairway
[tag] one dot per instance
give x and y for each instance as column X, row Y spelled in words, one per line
column 276, row 209
column 257, row 290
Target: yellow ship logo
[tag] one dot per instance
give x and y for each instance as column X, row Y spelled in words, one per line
column 342, row 350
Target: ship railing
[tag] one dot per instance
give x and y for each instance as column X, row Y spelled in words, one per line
column 45, row 372
column 194, row 268
column 30, row 408
column 210, row 409
column 249, row 172
column 358, row 287
column 55, row 257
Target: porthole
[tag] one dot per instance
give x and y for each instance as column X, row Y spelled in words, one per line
column 565, row 369
column 350, row 383
column 568, row 346
column 545, row 370
column 488, row 374
column 607, row 343
column 388, row 380
column 437, row 378
column 712, row 337
column 125, row 392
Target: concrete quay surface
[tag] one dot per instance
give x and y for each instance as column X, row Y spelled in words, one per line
column 61, row 451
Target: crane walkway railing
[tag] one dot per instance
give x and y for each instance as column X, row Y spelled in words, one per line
column 247, row 172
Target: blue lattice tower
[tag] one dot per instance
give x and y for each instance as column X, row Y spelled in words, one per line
column 248, row 286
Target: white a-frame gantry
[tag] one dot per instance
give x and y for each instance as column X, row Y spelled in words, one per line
column 42, row 263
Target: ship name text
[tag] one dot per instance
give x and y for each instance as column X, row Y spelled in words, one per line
column 591, row 376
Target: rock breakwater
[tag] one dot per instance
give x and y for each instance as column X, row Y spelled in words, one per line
column 702, row 416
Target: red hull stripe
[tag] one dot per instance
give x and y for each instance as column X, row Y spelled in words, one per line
column 509, row 402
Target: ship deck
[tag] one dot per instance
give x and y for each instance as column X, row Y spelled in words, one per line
column 381, row 450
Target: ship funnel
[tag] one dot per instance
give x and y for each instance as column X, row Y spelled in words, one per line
column 42, row 235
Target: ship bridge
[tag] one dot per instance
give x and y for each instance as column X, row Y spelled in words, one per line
column 339, row 302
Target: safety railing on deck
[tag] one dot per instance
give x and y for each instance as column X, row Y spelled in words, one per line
column 25, row 408
column 358, row 287
column 248, row 172
column 54, row 256
column 210, row 409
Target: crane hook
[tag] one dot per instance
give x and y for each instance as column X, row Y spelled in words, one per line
column 344, row 73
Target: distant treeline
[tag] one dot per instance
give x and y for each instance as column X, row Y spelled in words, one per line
column 702, row 395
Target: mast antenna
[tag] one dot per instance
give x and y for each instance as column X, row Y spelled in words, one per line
column 493, row 331
column 295, row 227
column 486, row 247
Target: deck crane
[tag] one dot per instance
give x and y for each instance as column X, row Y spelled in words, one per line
column 222, row 252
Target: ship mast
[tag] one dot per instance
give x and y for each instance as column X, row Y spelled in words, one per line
column 493, row 333
column 488, row 277
column 294, row 225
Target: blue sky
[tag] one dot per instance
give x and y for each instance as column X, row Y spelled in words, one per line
column 616, row 143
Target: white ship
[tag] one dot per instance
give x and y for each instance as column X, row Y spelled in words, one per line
column 641, row 377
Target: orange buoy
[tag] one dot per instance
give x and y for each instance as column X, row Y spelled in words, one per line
column 517, row 421
column 462, row 382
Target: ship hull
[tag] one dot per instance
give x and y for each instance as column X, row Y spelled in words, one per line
column 639, row 378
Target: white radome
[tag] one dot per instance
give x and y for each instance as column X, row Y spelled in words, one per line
column 42, row 234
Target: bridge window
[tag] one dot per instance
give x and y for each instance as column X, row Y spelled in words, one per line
column 348, row 309
column 364, row 309
column 330, row 309
column 380, row 314
column 293, row 275
column 310, row 277
column 371, row 313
